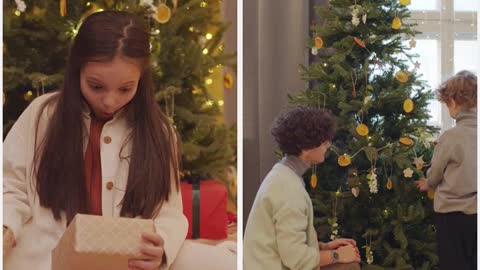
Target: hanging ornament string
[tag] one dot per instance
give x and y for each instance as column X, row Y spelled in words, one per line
column 170, row 105
column 335, row 204
column 368, row 249
column 324, row 101
column 367, row 64
column 354, row 82
column 362, row 129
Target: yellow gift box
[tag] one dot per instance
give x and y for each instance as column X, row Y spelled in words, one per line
column 100, row 243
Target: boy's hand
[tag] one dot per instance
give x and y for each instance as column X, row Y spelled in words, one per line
column 422, row 184
column 339, row 243
column 348, row 254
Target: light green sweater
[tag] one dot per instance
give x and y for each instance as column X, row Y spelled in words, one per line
column 453, row 174
column 280, row 232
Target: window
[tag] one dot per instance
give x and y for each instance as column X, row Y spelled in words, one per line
column 428, row 51
column 448, row 44
column 423, row 5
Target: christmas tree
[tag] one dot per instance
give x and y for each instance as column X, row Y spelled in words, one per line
column 363, row 71
column 187, row 54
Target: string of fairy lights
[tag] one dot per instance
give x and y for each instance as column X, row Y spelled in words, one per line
column 162, row 13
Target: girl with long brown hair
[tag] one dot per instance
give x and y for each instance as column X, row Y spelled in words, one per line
column 101, row 145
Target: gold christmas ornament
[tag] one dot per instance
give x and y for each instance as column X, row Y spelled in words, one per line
column 396, row 23
column 405, row 2
column 313, row 181
column 318, row 42
column 228, row 80
column 389, row 184
column 362, row 130
column 344, row 160
column 406, row 141
column 164, row 13
column 408, row 105
column 402, row 76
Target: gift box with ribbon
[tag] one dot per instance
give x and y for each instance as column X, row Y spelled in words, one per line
column 205, row 206
column 99, row 243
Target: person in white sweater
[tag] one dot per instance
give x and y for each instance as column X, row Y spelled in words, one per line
column 280, row 233
column 453, row 176
column 100, row 146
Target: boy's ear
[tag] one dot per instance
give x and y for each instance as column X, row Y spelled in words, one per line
column 303, row 153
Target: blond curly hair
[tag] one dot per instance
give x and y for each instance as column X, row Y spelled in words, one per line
column 462, row 88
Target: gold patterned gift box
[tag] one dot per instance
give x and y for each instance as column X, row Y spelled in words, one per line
column 100, row 243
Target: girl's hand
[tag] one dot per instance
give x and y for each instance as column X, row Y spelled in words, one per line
column 339, row 243
column 348, row 254
column 153, row 248
column 422, row 184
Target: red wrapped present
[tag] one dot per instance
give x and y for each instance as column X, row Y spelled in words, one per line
column 205, row 206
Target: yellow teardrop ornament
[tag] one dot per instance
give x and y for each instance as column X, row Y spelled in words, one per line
column 313, row 181
column 389, row 183
column 396, row 23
